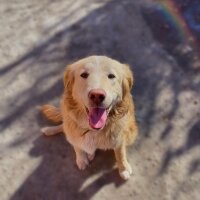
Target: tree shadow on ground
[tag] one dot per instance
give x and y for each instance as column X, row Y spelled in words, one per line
column 57, row 176
column 167, row 31
column 192, row 140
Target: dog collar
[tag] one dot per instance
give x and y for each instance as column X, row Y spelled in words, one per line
column 85, row 132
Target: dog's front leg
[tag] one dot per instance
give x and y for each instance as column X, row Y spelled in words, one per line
column 124, row 167
column 81, row 158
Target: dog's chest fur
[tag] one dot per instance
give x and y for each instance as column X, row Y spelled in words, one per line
column 98, row 140
column 108, row 138
column 92, row 140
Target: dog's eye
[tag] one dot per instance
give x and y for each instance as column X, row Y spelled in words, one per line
column 84, row 75
column 111, row 76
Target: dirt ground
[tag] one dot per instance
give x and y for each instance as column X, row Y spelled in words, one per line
column 38, row 39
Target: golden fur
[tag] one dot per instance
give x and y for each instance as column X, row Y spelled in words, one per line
column 120, row 129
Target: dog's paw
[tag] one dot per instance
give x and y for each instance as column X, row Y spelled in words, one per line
column 126, row 173
column 51, row 130
column 91, row 156
column 82, row 163
column 46, row 131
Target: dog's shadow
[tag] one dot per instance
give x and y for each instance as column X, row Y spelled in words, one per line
column 57, row 176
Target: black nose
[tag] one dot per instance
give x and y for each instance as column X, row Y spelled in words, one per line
column 97, row 95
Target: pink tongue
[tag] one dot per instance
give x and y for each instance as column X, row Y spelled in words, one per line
column 97, row 117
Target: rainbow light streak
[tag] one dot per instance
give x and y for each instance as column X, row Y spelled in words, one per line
column 172, row 11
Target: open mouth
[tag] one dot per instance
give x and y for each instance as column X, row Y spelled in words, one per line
column 97, row 117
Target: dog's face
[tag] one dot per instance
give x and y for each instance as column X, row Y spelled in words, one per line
column 97, row 84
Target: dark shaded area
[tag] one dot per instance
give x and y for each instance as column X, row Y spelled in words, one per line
column 54, row 91
column 57, row 176
column 191, row 13
column 193, row 140
column 194, row 167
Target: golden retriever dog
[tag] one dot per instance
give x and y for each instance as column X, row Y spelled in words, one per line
column 96, row 110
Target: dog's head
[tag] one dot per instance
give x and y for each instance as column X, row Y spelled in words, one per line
column 98, row 85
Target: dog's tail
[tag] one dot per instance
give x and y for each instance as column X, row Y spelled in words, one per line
column 51, row 113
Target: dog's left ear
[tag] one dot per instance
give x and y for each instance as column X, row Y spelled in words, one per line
column 127, row 82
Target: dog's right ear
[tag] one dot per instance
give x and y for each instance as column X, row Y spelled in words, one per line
column 68, row 78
